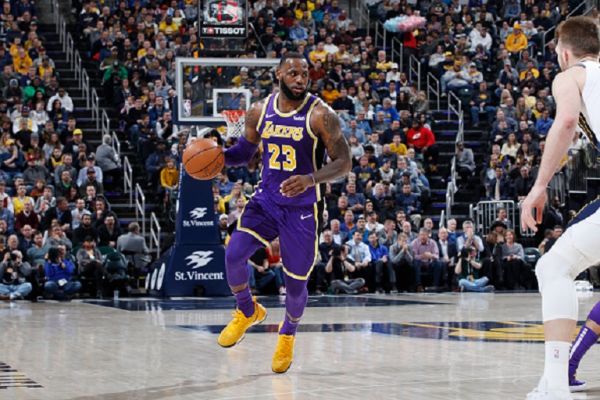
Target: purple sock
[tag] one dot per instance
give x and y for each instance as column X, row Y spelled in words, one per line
column 244, row 302
column 584, row 340
column 241, row 247
column 295, row 301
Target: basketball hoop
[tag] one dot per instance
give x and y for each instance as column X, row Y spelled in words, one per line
column 235, row 120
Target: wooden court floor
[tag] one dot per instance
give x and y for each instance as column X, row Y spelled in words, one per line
column 430, row 346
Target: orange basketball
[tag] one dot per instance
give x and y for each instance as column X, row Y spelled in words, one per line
column 203, row 159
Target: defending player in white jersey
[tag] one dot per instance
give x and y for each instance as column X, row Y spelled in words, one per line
column 577, row 93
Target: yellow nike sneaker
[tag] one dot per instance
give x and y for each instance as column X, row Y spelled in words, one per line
column 236, row 329
column 284, row 353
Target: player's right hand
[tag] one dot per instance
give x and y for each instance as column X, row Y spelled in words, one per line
column 535, row 200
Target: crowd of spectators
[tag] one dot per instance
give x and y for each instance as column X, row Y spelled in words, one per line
column 492, row 56
column 54, row 215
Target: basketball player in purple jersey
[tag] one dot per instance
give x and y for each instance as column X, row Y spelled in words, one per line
column 294, row 128
column 587, row 337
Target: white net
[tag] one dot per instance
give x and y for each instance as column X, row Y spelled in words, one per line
column 235, row 120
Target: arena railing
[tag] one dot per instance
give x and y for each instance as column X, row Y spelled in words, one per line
column 398, row 53
column 456, row 110
column 116, row 144
column 154, row 234
column 128, row 179
column 484, row 214
column 105, row 123
column 73, row 58
column 589, row 6
column 140, row 207
column 364, row 19
column 95, row 102
column 442, row 222
column 558, row 187
column 433, row 89
column 577, row 172
column 449, row 198
column 414, row 68
column 77, row 69
column 380, row 37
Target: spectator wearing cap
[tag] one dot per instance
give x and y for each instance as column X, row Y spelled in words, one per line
column 223, row 229
column 66, row 101
column 91, row 180
column 83, row 173
column 393, row 75
column 517, row 40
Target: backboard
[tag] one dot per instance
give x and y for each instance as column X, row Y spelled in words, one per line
column 207, row 86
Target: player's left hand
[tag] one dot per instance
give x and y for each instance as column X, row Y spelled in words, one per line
column 535, row 200
column 295, row 185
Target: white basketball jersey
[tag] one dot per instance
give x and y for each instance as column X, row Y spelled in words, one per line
column 589, row 120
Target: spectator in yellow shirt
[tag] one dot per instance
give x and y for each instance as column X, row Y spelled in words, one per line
column 319, row 54
column 530, row 68
column 397, row 146
column 330, row 93
column 168, row 26
column 517, row 40
column 22, row 62
column 169, row 178
column 20, row 199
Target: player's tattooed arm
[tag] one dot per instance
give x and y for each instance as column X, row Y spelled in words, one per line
column 326, row 124
column 241, row 153
column 251, row 123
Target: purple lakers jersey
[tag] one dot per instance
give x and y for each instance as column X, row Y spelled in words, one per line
column 290, row 148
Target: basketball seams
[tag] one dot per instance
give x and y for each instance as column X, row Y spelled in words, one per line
column 207, row 166
column 210, row 165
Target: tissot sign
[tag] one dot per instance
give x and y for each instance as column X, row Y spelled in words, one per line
column 223, row 18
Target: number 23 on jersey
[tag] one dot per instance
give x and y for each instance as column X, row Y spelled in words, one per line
column 288, row 152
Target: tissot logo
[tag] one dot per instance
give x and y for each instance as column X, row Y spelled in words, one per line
column 223, row 31
column 196, row 215
column 199, row 259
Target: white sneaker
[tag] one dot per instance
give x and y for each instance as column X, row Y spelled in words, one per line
column 538, row 394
